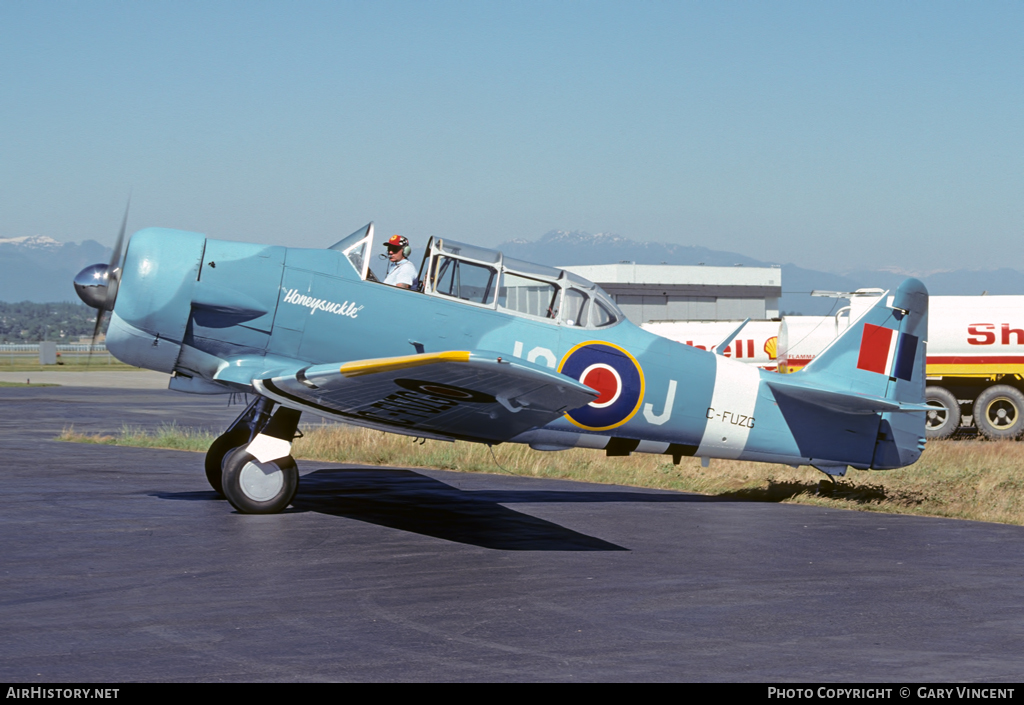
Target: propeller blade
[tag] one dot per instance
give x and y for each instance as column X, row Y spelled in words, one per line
column 113, row 278
column 115, row 257
column 100, row 313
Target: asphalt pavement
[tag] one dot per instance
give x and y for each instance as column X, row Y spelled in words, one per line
column 120, row 564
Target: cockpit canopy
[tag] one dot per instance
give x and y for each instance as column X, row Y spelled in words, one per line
column 486, row 278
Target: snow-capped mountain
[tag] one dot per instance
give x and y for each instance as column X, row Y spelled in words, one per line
column 41, row 269
column 33, row 242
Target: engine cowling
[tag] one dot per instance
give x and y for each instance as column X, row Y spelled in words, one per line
column 154, row 297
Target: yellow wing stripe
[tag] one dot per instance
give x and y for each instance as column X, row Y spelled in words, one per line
column 390, row 364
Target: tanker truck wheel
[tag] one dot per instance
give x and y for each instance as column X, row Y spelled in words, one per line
column 943, row 419
column 999, row 412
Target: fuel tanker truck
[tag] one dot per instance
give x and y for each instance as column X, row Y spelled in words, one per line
column 975, row 364
column 755, row 343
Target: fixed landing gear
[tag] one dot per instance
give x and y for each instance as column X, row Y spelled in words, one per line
column 220, row 450
column 251, row 465
column 254, row 487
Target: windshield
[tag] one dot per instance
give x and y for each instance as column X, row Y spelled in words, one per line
column 355, row 247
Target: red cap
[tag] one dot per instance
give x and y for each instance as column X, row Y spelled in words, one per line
column 397, row 241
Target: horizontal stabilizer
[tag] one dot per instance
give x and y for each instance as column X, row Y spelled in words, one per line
column 841, row 401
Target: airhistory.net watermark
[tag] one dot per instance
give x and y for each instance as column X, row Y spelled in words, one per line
column 63, row 693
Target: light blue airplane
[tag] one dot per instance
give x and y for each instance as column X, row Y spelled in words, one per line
column 489, row 350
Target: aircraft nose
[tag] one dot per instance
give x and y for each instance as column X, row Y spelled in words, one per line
column 91, row 285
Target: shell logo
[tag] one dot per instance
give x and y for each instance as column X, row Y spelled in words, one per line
column 771, row 346
column 615, row 374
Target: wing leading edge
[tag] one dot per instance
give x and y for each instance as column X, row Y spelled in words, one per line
column 459, row 394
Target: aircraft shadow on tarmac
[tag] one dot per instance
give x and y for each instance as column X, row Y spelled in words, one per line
column 409, row 501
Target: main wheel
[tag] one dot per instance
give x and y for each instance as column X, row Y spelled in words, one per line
column 253, row 487
column 944, row 419
column 999, row 412
column 219, row 450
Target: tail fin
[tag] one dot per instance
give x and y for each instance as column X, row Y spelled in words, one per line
column 882, row 352
column 876, row 367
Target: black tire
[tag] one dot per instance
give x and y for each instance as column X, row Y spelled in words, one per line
column 223, row 446
column 945, row 419
column 999, row 412
column 253, row 487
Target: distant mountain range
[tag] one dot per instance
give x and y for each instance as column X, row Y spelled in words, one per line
column 41, row 269
column 564, row 248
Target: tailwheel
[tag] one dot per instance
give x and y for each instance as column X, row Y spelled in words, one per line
column 254, row 487
column 220, row 450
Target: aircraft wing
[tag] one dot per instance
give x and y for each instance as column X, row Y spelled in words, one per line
column 467, row 395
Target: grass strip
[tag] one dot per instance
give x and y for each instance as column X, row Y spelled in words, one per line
column 968, row 479
column 70, row 367
column 67, row 362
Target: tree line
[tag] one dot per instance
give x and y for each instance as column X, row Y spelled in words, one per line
column 28, row 322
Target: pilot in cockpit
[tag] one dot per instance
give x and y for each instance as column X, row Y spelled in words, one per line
column 401, row 272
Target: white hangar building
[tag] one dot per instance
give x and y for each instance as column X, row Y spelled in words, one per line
column 665, row 292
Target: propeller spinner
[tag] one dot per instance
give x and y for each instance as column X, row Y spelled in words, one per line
column 91, row 285
column 96, row 285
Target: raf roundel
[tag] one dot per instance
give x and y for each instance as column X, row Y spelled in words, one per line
column 615, row 374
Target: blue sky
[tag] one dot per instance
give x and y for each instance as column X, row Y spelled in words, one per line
column 832, row 135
